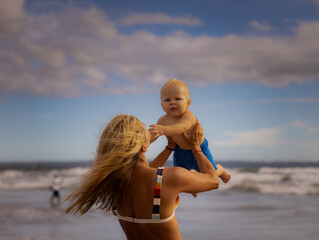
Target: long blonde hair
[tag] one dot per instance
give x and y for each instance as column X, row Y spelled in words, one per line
column 118, row 152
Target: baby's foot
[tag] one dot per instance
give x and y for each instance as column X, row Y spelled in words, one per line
column 225, row 176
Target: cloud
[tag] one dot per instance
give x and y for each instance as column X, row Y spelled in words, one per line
column 11, row 17
column 260, row 101
column 261, row 137
column 75, row 52
column 316, row 2
column 158, row 18
column 260, row 26
column 297, row 123
column 312, row 129
column 4, row 99
column 290, row 100
column 300, row 124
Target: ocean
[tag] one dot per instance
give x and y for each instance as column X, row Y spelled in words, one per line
column 277, row 200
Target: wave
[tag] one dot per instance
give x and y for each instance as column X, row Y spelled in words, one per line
column 271, row 180
column 22, row 179
column 266, row 180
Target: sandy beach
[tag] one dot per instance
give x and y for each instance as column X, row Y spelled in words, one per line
column 221, row 215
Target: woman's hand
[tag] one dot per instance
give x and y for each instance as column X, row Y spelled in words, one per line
column 194, row 137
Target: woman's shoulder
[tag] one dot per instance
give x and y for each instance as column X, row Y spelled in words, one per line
column 176, row 175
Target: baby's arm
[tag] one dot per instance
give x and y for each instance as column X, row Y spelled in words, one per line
column 172, row 130
column 181, row 125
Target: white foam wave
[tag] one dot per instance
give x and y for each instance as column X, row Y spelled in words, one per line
column 297, row 181
column 20, row 179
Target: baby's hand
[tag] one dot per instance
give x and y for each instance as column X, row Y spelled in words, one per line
column 153, row 137
column 157, row 130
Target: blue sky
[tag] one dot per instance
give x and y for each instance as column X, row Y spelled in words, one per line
column 68, row 67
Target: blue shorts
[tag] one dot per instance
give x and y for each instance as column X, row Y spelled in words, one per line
column 185, row 158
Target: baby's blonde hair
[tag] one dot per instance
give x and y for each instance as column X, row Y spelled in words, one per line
column 118, row 152
column 176, row 81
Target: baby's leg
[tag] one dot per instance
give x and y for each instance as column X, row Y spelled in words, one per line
column 223, row 174
column 183, row 158
column 208, row 154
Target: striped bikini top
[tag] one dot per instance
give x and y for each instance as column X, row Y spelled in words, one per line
column 156, row 205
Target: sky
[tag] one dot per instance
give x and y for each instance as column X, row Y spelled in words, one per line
column 68, row 67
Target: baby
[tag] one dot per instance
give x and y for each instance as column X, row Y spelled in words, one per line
column 175, row 101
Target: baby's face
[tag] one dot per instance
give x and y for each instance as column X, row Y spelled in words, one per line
column 174, row 99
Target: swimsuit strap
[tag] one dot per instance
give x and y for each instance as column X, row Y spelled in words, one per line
column 141, row 220
column 156, row 205
column 157, row 194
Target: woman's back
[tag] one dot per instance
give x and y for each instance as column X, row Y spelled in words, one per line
column 121, row 177
column 139, row 204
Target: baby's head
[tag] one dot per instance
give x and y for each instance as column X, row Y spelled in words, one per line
column 175, row 83
column 175, row 98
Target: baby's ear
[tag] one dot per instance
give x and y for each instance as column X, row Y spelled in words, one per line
column 189, row 103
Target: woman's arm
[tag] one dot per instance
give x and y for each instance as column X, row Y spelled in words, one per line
column 161, row 159
column 186, row 181
column 206, row 179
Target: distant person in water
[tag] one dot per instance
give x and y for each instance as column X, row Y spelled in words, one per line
column 55, row 187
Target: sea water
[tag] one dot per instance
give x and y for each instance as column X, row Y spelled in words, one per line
column 265, row 178
column 262, row 201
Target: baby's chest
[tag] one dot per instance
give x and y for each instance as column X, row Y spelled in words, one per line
column 180, row 140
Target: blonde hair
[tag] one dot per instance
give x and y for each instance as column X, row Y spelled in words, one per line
column 118, row 152
column 176, row 81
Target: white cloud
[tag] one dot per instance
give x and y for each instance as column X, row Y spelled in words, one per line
column 260, row 26
column 11, row 17
column 300, row 124
column 290, row 100
column 261, row 101
column 158, row 18
column 297, row 123
column 316, row 2
column 261, row 137
column 76, row 52
column 312, row 129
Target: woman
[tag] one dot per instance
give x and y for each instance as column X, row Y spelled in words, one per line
column 122, row 179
